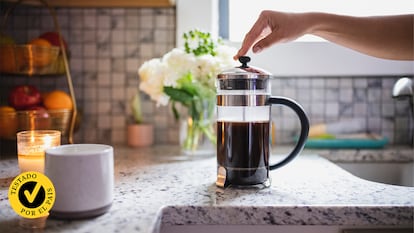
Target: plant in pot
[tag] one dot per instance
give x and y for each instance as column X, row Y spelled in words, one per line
column 139, row 134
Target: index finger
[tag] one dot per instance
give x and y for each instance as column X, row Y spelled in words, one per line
column 253, row 35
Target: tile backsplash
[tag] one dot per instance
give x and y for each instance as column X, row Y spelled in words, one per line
column 107, row 45
column 334, row 99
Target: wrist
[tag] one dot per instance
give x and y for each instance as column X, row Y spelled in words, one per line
column 316, row 22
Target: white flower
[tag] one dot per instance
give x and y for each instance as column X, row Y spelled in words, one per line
column 178, row 63
column 225, row 55
column 207, row 68
column 158, row 73
column 152, row 74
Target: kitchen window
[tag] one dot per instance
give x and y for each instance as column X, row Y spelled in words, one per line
column 308, row 56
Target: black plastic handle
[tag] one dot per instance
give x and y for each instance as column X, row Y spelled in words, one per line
column 304, row 121
column 244, row 60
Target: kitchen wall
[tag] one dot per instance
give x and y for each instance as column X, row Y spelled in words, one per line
column 108, row 45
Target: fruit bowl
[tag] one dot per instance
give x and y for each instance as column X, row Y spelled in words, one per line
column 31, row 60
column 13, row 122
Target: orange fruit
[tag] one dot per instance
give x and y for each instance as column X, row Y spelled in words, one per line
column 6, row 109
column 40, row 42
column 8, row 122
column 41, row 52
column 58, row 99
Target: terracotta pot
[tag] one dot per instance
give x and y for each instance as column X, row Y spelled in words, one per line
column 140, row 135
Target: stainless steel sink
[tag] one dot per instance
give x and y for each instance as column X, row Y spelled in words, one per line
column 388, row 173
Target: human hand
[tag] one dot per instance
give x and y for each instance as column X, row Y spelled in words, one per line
column 389, row 37
column 273, row 27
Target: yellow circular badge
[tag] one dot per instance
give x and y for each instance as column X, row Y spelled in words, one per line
column 32, row 195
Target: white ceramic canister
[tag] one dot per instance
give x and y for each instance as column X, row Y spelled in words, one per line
column 83, row 177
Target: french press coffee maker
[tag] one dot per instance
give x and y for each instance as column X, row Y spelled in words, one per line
column 244, row 103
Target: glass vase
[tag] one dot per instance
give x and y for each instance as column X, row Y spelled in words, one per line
column 197, row 131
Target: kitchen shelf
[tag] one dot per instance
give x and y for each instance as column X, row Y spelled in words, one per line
column 104, row 3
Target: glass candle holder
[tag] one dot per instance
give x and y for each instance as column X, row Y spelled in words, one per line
column 31, row 146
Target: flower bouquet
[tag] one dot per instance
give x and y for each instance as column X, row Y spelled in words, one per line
column 187, row 76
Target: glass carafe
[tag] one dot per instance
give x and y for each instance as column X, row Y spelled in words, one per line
column 244, row 103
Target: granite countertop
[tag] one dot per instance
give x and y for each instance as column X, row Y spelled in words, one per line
column 159, row 185
column 394, row 154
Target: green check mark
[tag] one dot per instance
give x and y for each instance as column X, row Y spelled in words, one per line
column 31, row 196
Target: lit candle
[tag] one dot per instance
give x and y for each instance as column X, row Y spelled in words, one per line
column 31, row 146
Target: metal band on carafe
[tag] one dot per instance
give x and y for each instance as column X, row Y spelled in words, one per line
column 240, row 82
column 241, row 100
column 241, row 91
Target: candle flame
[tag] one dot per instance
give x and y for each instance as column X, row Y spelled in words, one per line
column 32, row 137
column 47, row 141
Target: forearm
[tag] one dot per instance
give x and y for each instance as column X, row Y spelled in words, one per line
column 389, row 37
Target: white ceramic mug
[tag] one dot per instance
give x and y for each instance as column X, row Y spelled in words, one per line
column 83, row 176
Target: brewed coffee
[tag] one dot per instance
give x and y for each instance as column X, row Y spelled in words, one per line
column 243, row 150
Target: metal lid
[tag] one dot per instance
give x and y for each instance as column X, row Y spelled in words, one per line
column 244, row 71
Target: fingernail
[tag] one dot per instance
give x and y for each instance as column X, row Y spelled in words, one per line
column 257, row 49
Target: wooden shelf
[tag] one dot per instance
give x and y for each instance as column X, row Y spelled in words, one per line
column 104, row 3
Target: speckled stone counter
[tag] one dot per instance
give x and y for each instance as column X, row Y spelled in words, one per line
column 159, row 186
column 389, row 154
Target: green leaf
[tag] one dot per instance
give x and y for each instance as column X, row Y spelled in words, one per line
column 175, row 111
column 195, row 110
column 205, row 44
column 185, row 81
column 179, row 95
column 136, row 108
column 191, row 88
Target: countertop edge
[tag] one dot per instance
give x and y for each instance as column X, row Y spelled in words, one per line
column 286, row 215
